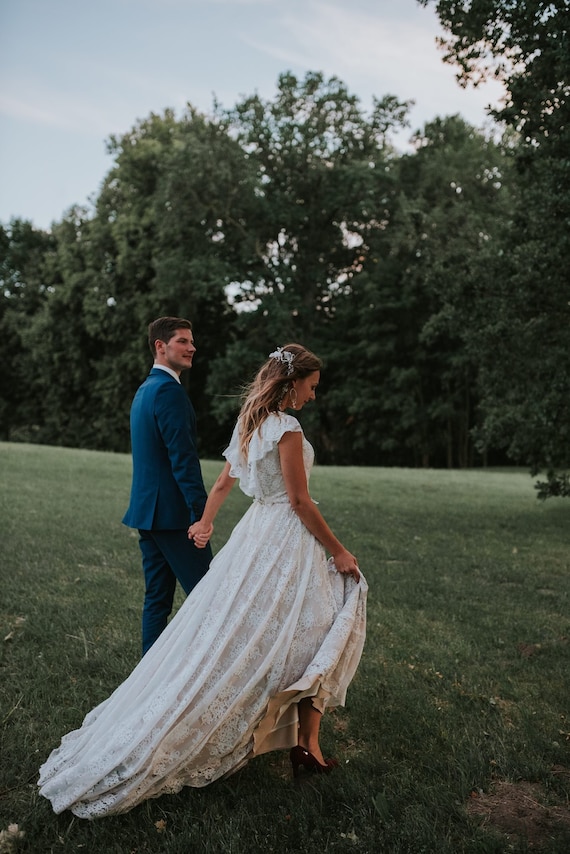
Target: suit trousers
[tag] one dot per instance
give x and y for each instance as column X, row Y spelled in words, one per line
column 167, row 556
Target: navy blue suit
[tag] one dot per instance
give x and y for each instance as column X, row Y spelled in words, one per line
column 167, row 495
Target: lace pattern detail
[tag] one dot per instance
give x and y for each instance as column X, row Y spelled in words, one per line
column 269, row 623
column 260, row 475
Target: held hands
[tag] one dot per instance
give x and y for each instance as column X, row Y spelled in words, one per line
column 345, row 562
column 200, row 534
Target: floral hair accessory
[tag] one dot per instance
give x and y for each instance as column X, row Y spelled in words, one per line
column 284, row 356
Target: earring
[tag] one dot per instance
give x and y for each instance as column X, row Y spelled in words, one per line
column 293, row 400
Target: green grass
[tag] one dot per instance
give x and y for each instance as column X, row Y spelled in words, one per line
column 464, row 678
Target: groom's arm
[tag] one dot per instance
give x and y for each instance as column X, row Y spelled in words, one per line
column 176, row 422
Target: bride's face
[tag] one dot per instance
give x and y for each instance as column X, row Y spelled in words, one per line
column 306, row 388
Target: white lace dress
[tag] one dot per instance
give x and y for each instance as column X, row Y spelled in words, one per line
column 270, row 623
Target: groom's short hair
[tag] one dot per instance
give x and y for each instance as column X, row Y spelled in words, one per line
column 163, row 329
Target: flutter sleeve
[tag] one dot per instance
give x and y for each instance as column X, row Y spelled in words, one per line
column 263, row 442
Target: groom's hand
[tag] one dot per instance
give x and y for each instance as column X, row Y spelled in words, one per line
column 200, row 534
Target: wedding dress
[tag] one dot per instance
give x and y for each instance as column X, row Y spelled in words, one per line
column 271, row 622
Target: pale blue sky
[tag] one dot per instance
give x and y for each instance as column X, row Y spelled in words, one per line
column 72, row 72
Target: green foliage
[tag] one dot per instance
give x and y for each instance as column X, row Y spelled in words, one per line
column 323, row 169
column 555, row 485
column 462, row 685
column 301, row 210
column 319, row 162
column 432, row 284
column 404, row 327
column 524, row 344
column 159, row 219
column 152, row 247
column 27, row 276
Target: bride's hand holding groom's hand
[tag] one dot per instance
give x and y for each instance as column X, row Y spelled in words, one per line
column 200, row 534
column 201, row 531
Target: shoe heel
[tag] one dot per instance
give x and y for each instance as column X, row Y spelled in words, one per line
column 296, row 756
column 301, row 758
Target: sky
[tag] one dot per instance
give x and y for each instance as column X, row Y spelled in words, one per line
column 73, row 72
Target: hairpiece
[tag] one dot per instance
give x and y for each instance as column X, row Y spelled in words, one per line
column 285, row 357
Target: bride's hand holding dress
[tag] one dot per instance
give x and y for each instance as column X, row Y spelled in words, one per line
column 295, row 477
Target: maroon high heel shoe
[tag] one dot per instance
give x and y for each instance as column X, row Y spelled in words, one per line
column 301, row 758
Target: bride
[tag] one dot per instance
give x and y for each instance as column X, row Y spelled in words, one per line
column 269, row 638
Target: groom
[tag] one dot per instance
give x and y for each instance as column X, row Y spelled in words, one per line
column 167, row 493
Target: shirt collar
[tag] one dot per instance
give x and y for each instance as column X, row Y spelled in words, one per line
column 168, row 371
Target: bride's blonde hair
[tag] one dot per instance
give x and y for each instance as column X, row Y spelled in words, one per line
column 270, row 385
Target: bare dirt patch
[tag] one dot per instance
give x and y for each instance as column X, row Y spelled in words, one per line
column 522, row 810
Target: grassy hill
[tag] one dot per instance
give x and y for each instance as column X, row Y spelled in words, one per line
column 456, row 733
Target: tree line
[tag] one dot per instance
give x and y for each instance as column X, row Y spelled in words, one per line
column 431, row 282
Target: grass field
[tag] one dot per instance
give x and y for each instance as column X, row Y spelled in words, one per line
column 456, row 733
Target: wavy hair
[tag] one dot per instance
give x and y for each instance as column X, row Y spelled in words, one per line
column 270, row 385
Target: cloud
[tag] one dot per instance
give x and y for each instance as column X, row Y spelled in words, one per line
column 53, row 109
column 374, row 54
column 184, row 5
column 354, row 41
column 110, row 106
column 13, row 108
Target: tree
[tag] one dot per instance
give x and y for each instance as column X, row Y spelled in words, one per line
column 525, row 348
column 162, row 241
column 205, row 201
column 318, row 157
column 412, row 399
column 322, row 171
column 26, row 278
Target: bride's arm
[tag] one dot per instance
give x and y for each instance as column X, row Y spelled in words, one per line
column 201, row 531
column 291, row 457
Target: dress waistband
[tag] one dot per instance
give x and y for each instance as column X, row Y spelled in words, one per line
column 278, row 499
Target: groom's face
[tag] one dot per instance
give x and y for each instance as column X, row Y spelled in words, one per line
column 178, row 352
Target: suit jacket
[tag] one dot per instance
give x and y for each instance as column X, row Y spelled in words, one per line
column 167, row 490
